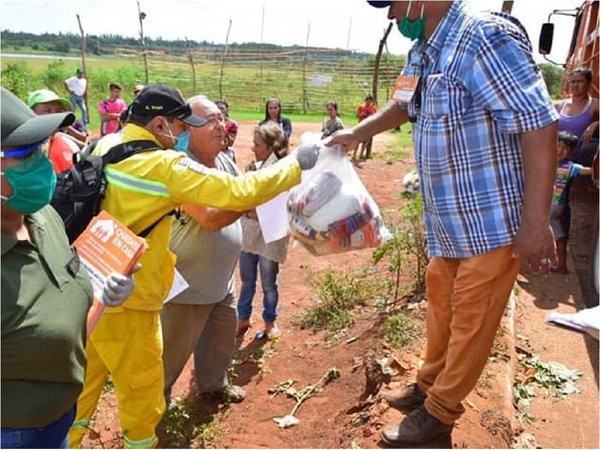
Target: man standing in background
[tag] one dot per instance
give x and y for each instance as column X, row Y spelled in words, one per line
column 77, row 87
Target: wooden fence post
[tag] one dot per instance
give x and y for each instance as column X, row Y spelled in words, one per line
column 191, row 58
column 507, row 7
column 223, row 60
column 83, row 64
column 260, row 78
column 304, row 92
column 378, row 59
column 141, row 17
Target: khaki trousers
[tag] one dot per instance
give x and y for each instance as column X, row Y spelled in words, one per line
column 206, row 330
column 466, row 300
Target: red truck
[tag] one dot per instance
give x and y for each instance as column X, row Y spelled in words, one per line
column 585, row 45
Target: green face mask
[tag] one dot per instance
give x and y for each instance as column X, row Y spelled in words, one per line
column 33, row 182
column 412, row 29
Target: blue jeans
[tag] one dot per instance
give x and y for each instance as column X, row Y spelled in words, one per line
column 249, row 265
column 78, row 101
column 53, row 435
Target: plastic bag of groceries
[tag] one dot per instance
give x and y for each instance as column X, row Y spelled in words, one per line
column 330, row 211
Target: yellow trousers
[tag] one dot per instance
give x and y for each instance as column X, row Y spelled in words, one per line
column 128, row 346
column 465, row 302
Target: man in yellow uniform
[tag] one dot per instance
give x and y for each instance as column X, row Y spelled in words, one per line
column 142, row 190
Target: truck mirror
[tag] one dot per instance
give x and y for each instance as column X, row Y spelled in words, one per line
column 546, row 36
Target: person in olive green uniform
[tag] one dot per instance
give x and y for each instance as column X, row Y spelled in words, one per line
column 46, row 293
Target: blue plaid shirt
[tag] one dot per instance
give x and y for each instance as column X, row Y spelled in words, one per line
column 479, row 90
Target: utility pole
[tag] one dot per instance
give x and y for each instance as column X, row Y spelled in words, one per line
column 223, row 60
column 141, row 17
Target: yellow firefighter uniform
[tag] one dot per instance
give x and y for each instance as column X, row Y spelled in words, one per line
column 127, row 342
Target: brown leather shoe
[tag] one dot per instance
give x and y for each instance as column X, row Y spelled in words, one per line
column 407, row 399
column 418, row 428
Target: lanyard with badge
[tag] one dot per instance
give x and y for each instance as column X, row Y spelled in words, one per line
column 407, row 88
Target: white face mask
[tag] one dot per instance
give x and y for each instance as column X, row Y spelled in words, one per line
column 170, row 134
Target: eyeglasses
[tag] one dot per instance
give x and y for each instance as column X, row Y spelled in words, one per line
column 22, row 152
column 212, row 119
column 576, row 81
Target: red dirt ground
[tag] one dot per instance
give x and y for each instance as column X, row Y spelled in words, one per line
column 333, row 418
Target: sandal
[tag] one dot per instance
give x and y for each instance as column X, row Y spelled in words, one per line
column 268, row 335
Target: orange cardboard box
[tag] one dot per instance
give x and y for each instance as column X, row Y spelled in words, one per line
column 104, row 247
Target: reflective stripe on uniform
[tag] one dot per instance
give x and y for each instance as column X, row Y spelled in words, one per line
column 144, row 443
column 84, row 423
column 136, row 184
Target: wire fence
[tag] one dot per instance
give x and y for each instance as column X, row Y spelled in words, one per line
column 305, row 79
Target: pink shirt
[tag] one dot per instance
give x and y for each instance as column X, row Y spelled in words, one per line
column 110, row 106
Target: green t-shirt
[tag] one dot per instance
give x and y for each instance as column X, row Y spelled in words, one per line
column 46, row 295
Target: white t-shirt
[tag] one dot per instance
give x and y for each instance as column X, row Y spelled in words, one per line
column 77, row 85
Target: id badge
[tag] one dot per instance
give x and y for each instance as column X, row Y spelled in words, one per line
column 404, row 89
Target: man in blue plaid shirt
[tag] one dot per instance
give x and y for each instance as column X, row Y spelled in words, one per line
column 484, row 133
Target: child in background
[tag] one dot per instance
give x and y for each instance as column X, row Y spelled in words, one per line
column 365, row 110
column 231, row 129
column 332, row 122
column 559, row 210
column 110, row 110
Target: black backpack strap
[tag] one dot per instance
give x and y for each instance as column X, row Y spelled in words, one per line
column 123, row 151
column 126, row 149
column 146, row 231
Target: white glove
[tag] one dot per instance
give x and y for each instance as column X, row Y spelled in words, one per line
column 307, row 155
column 117, row 289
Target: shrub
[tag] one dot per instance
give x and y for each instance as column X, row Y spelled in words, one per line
column 55, row 75
column 16, row 78
column 338, row 294
column 400, row 330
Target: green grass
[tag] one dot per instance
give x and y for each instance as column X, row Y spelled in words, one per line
column 338, row 294
column 180, row 427
column 400, row 330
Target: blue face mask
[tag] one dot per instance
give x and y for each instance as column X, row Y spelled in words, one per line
column 182, row 141
column 412, row 29
column 32, row 181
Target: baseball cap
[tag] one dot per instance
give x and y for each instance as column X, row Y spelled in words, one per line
column 20, row 126
column 379, row 4
column 163, row 100
column 80, row 70
column 45, row 96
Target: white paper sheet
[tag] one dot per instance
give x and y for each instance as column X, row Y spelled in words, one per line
column 273, row 218
column 179, row 285
column 584, row 320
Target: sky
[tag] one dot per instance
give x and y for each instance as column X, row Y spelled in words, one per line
column 333, row 23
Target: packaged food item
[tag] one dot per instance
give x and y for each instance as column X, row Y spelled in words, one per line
column 331, row 210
